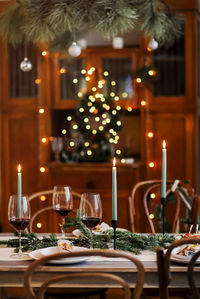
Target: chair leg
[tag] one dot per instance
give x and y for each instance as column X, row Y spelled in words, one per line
column 103, row 295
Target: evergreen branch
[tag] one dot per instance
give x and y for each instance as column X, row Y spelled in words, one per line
column 112, row 18
column 50, row 20
column 11, row 22
column 164, row 26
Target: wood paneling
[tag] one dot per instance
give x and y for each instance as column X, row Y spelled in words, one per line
column 20, row 136
column 97, row 177
column 165, row 124
column 185, row 4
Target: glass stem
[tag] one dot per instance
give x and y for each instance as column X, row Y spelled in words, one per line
column 62, row 230
column 91, row 240
column 20, row 243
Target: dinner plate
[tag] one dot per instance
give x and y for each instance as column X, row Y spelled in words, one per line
column 181, row 258
column 37, row 254
column 78, row 233
column 6, row 255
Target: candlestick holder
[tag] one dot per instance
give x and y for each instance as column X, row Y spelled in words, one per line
column 114, row 224
column 163, row 203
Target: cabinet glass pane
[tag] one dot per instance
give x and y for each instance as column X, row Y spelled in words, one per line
column 22, row 84
column 72, row 81
column 119, row 79
column 170, row 63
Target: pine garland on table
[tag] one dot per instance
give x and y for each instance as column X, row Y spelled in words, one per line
column 126, row 240
column 50, row 21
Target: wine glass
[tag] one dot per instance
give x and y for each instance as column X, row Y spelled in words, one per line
column 62, row 203
column 19, row 216
column 57, row 146
column 90, row 211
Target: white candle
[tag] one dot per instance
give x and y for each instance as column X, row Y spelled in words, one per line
column 19, row 191
column 114, row 190
column 164, row 170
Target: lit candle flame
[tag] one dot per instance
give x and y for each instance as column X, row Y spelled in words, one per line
column 164, row 144
column 114, row 162
column 19, row 168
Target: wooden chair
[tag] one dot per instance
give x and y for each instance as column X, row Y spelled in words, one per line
column 195, row 212
column 163, row 262
column 39, row 195
column 145, row 188
column 55, row 293
column 191, row 276
column 36, row 266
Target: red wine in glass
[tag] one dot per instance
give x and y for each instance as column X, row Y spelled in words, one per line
column 62, row 212
column 19, row 216
column 90, row 211
column 62, row 203
column 19, row 223
column 90, row 222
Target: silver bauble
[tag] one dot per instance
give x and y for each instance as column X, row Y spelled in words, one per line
column 26, row 65
column 153, row 44
column 74, row 50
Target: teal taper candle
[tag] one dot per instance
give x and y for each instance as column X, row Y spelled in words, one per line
column 19, row 192
column 164, row 170
column 114, row 190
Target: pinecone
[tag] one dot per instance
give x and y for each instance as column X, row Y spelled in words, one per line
column 81, row 242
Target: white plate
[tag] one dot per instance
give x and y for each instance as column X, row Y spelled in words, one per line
column 37, row 254
column 77, row 232
column 181, row 258
column 6, row 255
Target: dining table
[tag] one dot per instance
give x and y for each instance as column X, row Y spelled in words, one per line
column 12, row 271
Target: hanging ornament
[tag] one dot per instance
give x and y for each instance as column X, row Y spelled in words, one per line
column 153, row 44
column 82, row 43
column 26, row 65
column 74, row 50
column 118, row 42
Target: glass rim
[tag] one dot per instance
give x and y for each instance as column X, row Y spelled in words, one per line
column 61, row 186
column 90, row 193
column 16, row 195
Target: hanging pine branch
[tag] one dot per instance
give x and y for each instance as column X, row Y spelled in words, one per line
column 160, row 23
column 11, row 22
column 49, row 20
column 111, row 18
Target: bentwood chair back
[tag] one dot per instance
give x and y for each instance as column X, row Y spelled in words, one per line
column 195, row 212
column 42, row 197
column 191, row 276
column 101, row 278
column 142, row 191
column 163, row 263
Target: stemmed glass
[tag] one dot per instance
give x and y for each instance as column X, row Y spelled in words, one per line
column 62, row 203
column 57, row 146
column 90, row 211
column 19, row 216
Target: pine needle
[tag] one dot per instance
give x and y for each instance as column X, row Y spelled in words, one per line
column 111, row 18
column 11, row 22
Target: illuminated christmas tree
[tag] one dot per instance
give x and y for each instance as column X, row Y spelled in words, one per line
column 92, row 130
